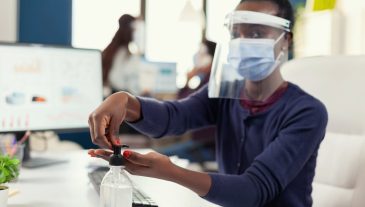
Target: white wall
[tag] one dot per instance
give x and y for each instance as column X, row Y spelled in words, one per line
column 8, row 20
column 216, row 13
column 354, row 13
column 94, row 23
column 319, row 33
column 332, row 32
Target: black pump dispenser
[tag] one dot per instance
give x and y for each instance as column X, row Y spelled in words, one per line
column 116, row 159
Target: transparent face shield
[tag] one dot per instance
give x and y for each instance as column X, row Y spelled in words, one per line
column 248, row 53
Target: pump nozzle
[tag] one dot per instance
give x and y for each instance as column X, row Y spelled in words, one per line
column 117, row 158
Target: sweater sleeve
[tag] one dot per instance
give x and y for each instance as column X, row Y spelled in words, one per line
column 176, row 117
column 279, row 163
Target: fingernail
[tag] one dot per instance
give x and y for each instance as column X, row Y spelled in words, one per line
column 117, row 142
column 127, row 154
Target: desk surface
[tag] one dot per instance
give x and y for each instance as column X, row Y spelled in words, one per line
column 67, row 184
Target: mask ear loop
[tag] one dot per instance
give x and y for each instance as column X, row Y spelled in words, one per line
column 279, row 38
column 278, row 60
column 281, row 52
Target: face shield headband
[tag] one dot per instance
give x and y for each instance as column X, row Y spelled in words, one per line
column 250, row 17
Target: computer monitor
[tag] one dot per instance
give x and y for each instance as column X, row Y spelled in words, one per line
column 159, row 77
column 47, row 87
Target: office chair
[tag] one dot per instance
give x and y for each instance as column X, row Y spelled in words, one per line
column 338, row 81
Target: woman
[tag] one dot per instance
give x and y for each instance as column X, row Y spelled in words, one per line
column 268, row 130
column 201, row 146
column 120, row 66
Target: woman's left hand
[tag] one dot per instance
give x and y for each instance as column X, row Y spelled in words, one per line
column 152, row 164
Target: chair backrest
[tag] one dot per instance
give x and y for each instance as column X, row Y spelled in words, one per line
column 340, row 167
column 338, row 82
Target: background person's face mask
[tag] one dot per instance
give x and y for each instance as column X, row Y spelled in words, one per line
column 254, row 59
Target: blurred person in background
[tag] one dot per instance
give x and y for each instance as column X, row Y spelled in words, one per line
column 201, row 146
column 199, row 75
column 121, row 66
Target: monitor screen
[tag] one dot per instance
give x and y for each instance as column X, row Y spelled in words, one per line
column 158, row 77
column 48, row 88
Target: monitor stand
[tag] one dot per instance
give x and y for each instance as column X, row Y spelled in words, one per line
column 35, row 162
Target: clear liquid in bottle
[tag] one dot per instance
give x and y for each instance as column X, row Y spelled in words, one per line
column 116, row 188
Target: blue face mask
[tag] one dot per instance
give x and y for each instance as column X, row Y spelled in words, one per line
column 254, row 59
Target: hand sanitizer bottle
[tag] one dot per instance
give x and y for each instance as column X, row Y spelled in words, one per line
column 115, row 188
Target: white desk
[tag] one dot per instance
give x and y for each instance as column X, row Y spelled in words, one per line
column 68, row 184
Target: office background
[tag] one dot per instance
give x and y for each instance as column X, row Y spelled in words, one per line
column 82, row 23
column 173, row 30
column 181, row 24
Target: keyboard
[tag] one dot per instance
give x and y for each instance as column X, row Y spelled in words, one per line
column 140, row 199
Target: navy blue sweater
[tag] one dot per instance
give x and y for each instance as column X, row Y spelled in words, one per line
column 266, row 159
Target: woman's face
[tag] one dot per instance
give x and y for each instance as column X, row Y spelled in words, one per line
column 260, row 31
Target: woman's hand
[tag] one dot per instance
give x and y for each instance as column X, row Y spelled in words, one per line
column 159, row 166
column 104, row 122
column 100, row 153
column 151, row 164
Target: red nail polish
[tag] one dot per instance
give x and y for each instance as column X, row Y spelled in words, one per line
column 127, row 154
column 117, row 142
